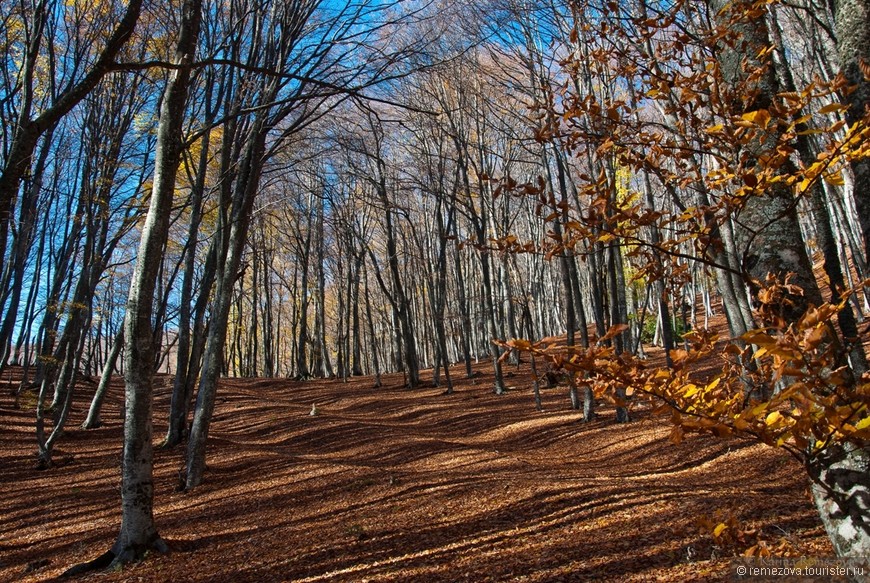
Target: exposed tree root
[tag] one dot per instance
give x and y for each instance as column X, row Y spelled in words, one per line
column 118, row 557
column 100, row 562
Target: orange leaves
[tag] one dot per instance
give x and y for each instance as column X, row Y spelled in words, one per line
column 759, row 118
column 597, row 366
column 833, row 108
column 737, row 537
column 727, row 531
column 779, row 384
column 511, row 244
column 667, row 113
column 613, row 332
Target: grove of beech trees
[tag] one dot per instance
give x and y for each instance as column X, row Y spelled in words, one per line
column 312, row 189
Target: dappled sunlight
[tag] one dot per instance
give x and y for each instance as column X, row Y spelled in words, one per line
column 394, row 485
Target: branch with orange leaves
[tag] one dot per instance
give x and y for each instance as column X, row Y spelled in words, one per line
column 782, row 384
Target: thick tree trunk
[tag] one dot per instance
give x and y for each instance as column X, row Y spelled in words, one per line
column 769, row 241
column 852, row 352
column 841, row 490
column 767, row 234
column 138, row 532
column 853, row 47
column 238, row 222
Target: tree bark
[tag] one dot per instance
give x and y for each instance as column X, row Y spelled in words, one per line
column 770, row 240
column 853, row 48
column 841, row 490
column 93, row 419
column 138, row 532
column 767, row 233
column 239, row 222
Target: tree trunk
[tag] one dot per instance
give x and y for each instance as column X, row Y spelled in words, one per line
column 178, row 404
column 853, row 47
column 841, row 490
column 13, row 280
column 464, row 314
column 767, row 234
column 320, row 314
column 302, row 345
column 853, row 352
column 238, row 223
column 770, row 241
column 138, row 532
column 93, row 419
column 370, row 321
column 355, row 326
column 489, row 316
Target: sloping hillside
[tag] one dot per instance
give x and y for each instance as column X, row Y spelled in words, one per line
column 386, row 484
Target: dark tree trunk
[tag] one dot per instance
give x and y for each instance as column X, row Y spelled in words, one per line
column 770, row 241
column 853, row 47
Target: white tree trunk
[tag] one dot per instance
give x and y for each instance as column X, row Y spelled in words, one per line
column 841, row 490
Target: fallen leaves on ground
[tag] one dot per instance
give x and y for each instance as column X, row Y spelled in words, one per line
column 389, row 484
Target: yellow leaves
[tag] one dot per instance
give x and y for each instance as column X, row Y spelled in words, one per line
column 774, row 419
column 833, row 108
column 794, row 396
column 830, row 163
column 759, row 117
column 729, row 532
column 758, row 410
column 690, row 391
column 834, row 178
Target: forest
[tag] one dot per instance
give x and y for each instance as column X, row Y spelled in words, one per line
column 646, row 219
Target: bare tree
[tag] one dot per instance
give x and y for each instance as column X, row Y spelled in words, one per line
column 138, row 532
column 34, row 118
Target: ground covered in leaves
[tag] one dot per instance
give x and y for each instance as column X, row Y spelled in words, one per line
column 389, row 484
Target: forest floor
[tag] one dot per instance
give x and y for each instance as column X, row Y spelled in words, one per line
column 389, row 484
